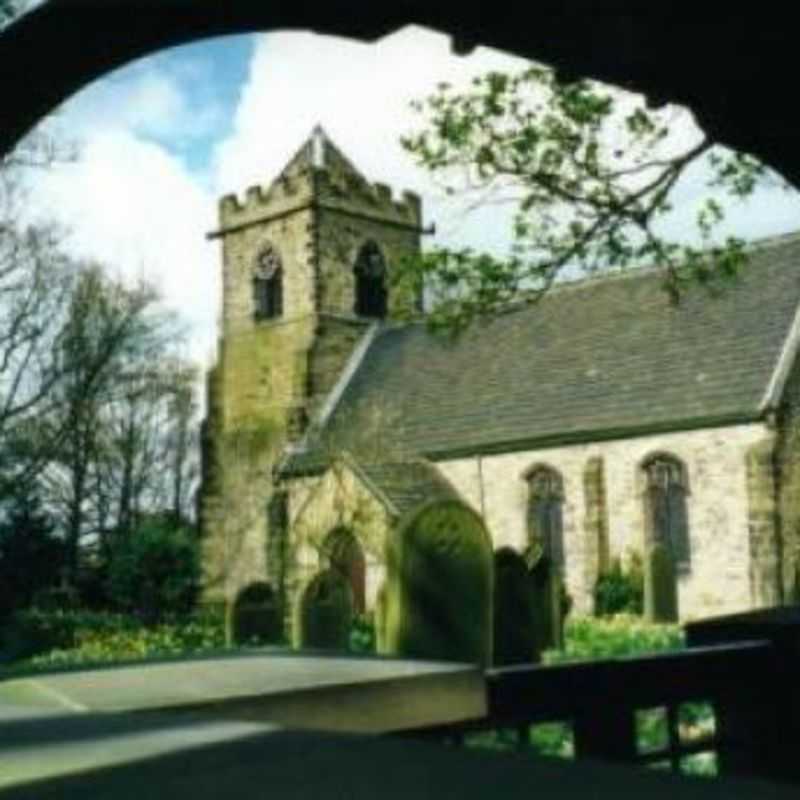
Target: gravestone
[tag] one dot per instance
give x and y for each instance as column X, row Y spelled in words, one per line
column 255, row 615
column 438, row 601
column 660, row 588
column 325, row 614
column 549, row 606
column 515, row 640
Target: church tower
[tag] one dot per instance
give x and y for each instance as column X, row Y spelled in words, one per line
column 306, row 275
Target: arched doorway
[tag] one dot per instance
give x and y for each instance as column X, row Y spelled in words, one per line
column 343, row 554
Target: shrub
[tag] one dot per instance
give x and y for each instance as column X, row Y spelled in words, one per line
column 622, row 635
column 68, row 638
column 31, row 555
column 362, row 634
column 155, row 571
column 620, row 591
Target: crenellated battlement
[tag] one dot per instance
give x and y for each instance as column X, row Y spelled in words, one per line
column 319, row 173
column 341, row 187
column 287, row 191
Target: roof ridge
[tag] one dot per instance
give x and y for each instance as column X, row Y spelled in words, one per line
column 646, row 270
column 602, row 276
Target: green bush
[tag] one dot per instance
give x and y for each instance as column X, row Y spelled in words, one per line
column 620, row 591
column 155, row 571
column 362, row 634
column 588, row 639
column 67, row 638
column 32, row 556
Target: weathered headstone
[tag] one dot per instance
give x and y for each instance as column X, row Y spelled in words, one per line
column 325, row 613
column 660, row 588
column 439, row 586
column 515, row 640
column 255, row 615
column 548, row 605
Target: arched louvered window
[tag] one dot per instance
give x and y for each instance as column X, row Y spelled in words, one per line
column 268, row 284
column 545, row 514
column 665, row 498
column 370, row 280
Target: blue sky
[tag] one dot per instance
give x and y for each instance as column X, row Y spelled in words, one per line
column 163, row 138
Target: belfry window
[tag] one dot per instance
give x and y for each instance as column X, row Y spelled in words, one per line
column 370, row 289
column 268, row 284
column 545, row 518
column 668, row 522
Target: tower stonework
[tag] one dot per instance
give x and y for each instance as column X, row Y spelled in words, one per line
column 306, row 271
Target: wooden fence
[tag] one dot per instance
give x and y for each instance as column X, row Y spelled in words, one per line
column 747, row 667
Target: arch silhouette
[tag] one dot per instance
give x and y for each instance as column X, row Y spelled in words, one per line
column 256, row 615
column 85, row 40
column 370, row 282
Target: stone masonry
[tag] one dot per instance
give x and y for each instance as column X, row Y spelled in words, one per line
column 273, row 375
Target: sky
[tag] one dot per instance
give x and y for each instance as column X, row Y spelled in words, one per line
column 163, row 138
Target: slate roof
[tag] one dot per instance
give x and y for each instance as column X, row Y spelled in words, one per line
column 597, row 359
column 406, row 485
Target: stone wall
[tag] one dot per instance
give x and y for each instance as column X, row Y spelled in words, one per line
column 319, row 505
column 260, row 381
column 595, row 520
column 341, row 235
column 715, row 459
column 273, row 375
column 763, row 527
column 787, row 462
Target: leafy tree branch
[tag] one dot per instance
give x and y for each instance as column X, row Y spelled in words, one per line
column 592, row 175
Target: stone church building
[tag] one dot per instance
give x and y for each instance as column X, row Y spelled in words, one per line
column 588, row 425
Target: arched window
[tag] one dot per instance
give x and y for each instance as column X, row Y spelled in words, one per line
column 665, row 499
column 545, row 519
column 268, row 284
column 370, row 275
column 345, row 557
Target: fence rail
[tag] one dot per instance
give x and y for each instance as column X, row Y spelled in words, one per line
column 748, row 673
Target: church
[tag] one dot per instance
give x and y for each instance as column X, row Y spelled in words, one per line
column 587, row 426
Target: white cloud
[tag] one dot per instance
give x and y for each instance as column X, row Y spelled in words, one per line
column 132, row 202
column 361, row 94
column 148, row 101
column 130, row 205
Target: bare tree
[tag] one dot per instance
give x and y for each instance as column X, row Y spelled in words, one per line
column 108, row 328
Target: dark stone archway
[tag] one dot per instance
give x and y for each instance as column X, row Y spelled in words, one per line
column 733, row 69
